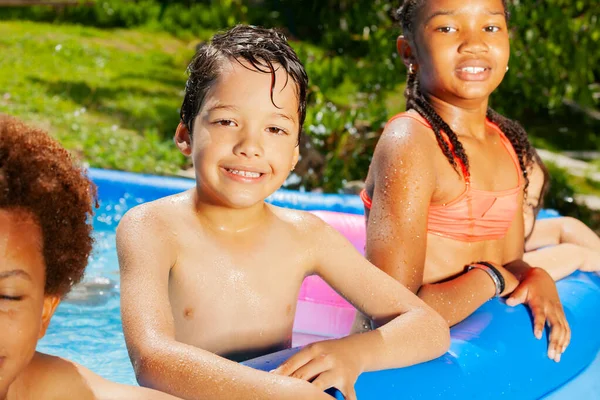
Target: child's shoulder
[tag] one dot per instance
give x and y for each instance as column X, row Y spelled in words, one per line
column 301, row 221
column 158, row 214
column 408, row 120
column 52, row 377
column 306, row 230
column 406, row 134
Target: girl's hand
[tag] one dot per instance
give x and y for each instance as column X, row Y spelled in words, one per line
column 327, row 364
column 510, row 281
column 538, row 291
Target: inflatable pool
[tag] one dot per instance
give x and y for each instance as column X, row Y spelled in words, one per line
column 493, row 352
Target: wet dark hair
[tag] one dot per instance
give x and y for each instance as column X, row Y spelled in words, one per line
column 262, row 48
column 39, row 178
column 407, row 16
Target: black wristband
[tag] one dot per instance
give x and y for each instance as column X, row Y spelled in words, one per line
column 498, row 274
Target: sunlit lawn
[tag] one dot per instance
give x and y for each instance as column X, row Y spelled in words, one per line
column 110, row 96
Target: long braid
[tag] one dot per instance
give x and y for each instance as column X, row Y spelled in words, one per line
column 415, row 100
column 517, row 136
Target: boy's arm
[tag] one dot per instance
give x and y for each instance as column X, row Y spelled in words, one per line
column 145, row 258
column 411, row 331
column 397, row 225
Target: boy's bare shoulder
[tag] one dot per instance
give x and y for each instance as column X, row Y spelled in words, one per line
column 157, row 215
column 301, row 221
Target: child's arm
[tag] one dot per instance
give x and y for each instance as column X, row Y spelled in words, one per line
column 537, row 289
column 107, row 390
column 405, row 178
column 411, row 332
column 160, row 361
column 562, row 230
column 54, row 377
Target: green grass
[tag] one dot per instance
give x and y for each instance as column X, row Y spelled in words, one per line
column 110, row 96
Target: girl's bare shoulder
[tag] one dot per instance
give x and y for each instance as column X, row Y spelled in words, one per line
column 407, row 140
column 405, row 136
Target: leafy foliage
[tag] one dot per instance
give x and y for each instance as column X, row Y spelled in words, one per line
column 348, row 47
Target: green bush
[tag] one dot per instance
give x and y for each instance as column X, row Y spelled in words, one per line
column 357, row 79
column 554, row 43
column 554, row 56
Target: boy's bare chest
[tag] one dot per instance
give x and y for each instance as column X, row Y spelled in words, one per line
column 226, row 298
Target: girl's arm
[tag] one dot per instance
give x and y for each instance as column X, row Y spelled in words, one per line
column 405, row 180
column 537, row 289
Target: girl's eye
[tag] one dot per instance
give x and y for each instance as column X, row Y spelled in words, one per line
column 225, row 122
column 492, row 29
column 276, row 130
column 446, row 29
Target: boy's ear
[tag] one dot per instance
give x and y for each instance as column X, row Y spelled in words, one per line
column 183, row 139
column 405, row 51
column 50, row 304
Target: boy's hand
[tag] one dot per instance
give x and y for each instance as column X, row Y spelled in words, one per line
column 538, row 291
column 327, row 364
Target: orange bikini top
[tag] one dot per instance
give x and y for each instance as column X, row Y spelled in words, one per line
column 475, row 215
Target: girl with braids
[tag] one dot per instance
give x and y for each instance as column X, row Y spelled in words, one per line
column 446, row 186
column 559, row 245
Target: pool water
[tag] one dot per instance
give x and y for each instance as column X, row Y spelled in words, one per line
column 87, row 326
column 89, row 331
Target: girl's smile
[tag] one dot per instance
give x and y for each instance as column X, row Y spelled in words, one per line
column 461, row 51
column 474, row 70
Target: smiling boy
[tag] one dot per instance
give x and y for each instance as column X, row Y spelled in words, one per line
column 211, row 276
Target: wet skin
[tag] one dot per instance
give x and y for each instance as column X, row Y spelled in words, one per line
column 25, row 312
column 459, row 50
column 213, row 274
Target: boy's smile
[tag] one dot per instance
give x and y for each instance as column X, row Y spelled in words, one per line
column 245, row 136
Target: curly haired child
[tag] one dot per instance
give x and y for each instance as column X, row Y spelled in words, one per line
column 45, row 240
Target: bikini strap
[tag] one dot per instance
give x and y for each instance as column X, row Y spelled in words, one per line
column 510, row 149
